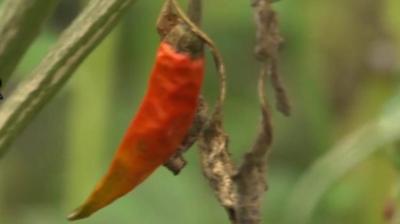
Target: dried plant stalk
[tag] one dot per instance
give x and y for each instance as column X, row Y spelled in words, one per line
column 251, row 177
column 240, row 190
column 217, row 165
column 251, row 180
column 269, row 41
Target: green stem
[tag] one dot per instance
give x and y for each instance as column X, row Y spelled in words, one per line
column 20, row 24
column 94, row 23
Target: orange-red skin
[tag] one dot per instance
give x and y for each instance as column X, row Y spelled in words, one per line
column 164, row 117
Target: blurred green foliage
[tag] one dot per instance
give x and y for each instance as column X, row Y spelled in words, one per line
column 339, row 63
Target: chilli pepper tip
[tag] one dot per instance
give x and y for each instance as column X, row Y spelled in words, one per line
column 77, row 214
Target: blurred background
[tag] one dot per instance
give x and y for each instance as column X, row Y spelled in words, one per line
column 341, row 71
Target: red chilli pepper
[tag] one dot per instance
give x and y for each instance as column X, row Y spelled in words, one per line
column 163, row 119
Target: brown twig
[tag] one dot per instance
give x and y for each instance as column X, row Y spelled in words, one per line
column 250, row 179
column 268, row 43
column 240, row 190
column 195, row 11
column 251, row 182
column 167, row 19
column 217, row 165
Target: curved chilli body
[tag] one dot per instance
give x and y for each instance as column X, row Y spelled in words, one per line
column 154, row 135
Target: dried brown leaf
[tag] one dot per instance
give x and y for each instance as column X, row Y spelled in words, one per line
column 167, row 19
column 269, row 41
column 217, row 165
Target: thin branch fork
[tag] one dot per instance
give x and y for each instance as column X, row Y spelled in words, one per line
column 251, row 182
column 240, row 189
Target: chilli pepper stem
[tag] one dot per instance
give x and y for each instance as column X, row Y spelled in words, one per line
column 195, row 11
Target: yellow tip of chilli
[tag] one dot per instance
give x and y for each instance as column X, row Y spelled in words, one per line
column 77, row 214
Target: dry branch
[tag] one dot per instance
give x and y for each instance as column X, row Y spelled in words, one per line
column 217, row 165
column 251, row 181
column 240, row 190
column 268, row 44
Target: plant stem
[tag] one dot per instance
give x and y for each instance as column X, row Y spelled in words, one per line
column 195, row 10
column 20, row 24
column 85, row 33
